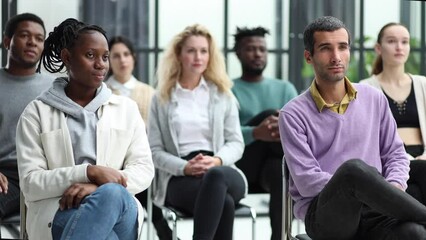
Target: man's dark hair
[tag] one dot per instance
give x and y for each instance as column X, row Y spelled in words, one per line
column 248, row 32
column 322, row 24
column 13, row 22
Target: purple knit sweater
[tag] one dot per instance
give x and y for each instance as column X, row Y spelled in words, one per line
column 315, row 144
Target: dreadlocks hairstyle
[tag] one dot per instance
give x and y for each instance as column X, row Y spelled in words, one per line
column 63, row 36
column 248, row 32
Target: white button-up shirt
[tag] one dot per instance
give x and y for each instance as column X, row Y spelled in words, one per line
column 191, row 118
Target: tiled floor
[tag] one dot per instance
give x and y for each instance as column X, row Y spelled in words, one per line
column 242, row 226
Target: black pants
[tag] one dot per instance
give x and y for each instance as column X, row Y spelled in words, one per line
column 417, row 181
column 262, row 164
column 9, row 203
column 210, row 199
column 358, row 203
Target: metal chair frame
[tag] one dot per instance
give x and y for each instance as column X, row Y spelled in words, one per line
column 288, row 208
column 11, row 223
column 241, row 210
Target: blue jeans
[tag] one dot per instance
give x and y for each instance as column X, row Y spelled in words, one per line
column 108, row 213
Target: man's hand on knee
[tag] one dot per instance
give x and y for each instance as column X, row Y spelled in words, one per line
column 398, row 186
column 73, row 196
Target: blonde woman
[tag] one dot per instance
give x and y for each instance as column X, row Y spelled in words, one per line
column 406, row 94
column 195, row 135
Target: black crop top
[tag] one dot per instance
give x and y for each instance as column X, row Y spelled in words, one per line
column 405, row 113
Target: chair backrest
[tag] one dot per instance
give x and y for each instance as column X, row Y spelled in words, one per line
column 23, row 210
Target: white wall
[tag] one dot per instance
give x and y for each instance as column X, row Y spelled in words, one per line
column 52, row 12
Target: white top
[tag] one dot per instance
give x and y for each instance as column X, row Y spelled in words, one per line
column 124, row 89
column 191, row 119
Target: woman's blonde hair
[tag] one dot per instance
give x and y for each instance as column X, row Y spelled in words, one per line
column 170, row 69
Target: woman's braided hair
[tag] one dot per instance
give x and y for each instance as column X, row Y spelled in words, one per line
column 63, row 36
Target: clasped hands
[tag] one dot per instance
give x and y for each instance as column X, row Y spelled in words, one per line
column 199, row 165
column 97, row 175
column 267, row 130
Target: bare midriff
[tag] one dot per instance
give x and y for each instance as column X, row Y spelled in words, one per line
column 410, row 136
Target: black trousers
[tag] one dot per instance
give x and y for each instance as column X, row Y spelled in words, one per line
column 9, row 203
column 262, row 164
column 417, row 181
column 358, row 203
column 210, row 199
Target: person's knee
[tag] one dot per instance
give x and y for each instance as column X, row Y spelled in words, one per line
column 112, row 192
column 355, row 168
column 410, row 230
column 214, row 174
column 112, row 188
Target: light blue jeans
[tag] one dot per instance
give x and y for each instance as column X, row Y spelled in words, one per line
column 108, row 213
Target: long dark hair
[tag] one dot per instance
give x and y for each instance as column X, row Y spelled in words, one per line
column 126, row 42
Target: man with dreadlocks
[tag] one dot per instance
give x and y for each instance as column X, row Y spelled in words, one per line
column 260, row 98
column 19, row 84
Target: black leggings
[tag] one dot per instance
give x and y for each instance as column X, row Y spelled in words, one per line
column 417, row 181
column 210, row 199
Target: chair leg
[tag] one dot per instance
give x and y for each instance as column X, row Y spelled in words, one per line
column 174, row 230
column 174, row 218
column 253, row 215
column 149, row 233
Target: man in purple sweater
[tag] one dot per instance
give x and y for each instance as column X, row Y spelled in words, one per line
column 348, row 168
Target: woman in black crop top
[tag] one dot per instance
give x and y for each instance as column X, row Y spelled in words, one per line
column 393, row 48
column 406, row 94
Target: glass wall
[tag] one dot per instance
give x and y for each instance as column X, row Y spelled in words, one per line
column 151, row 24
column 252, row 13
column 52, row 12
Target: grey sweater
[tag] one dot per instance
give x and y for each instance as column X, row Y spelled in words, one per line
column 15, row 94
